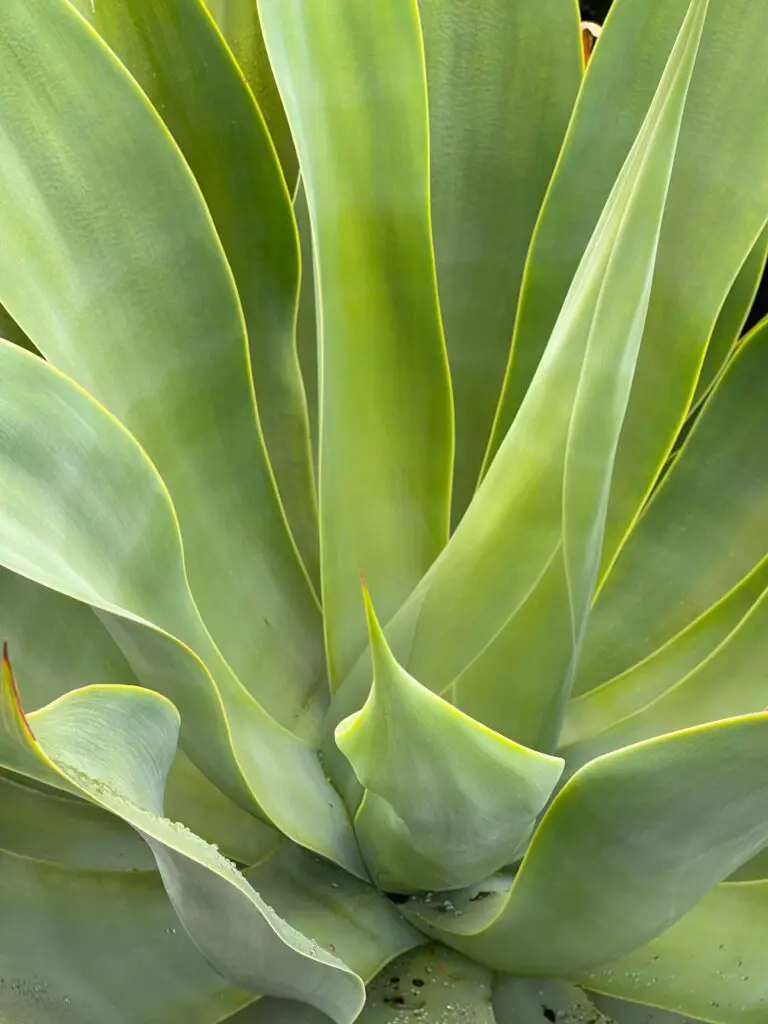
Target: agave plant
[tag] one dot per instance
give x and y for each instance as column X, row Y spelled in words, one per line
column 396, row 630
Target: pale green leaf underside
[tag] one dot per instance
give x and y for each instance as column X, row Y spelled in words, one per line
column 447, row 802
column 115, row 745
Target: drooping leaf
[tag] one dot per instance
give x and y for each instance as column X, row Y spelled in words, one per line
column 352, row 78
column 238, row 21
column 176, row 54
column 112, row 266
column 522, row 563
column 717, row 192
column 114, row 745
column 447, row 801
column 630, row 844
column 712, row 965
column 100, row 947
column 502, row 79
column 83, row 511
column 702, row 532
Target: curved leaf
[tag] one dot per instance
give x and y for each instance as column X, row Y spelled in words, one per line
column 731, row 681
column 447, row 801
column 174, row 51
column 700, row 535
column 502, row 79
column 536, row 1000
column 532, row 536
column 352, row 78
column 712, row 965
column 100, row 947
column 716, row 192
column 83, row 511
column 51, row 827
column 238, row 21
column 631, row 843
column 633, row 690
column 115, row 746
column 733, row 316
column 112, row 266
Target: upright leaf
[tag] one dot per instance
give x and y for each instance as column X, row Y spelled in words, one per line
column 352, row 77
column 502, row 79
column 699, row 536
column 717, row 192
column 112, row 266
column 174, row 51
column 447, row 801
column 502, row 612
column 238, row 21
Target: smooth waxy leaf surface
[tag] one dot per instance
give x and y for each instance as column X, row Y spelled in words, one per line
column 238, row 21
column 447, row 801
column 502, row 79
column 113, row 267
column 352, row 78
column 700, row 535
column 733, row 315
column 115, row 746
column 100, row 947
column 83, row 511
column 638, row 687
column 712, row 965
column 499, row 617
column 716, row 192
column 644, row 833
column 176, row 54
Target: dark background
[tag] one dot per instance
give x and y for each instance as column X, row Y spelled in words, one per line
column 596, row 10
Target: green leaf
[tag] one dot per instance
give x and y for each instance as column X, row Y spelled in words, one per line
column 83, row 511
column 100, row 947
column 352, row 77
column 536, row 1000
column 10, row 331
column 502, row 82
column 306, row 324
column 733, row 316
column 731, row 681
column 717, row 192
column 113, row 267
column 53, row 827
column 114, row 745
column 238, row 21
column 177, row 56
column 657, row 674
column 712, row 965
column 447, row 801
column 645, row 833
column 619, row 1011
column 473, row 624
column 700, row 535
column 59, row 644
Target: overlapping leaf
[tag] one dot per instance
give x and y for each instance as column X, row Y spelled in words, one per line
column 447, row 801
column 352, row 78
column 115, row 746
column 112, row 266
column 83, row 511
column 631, row 843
